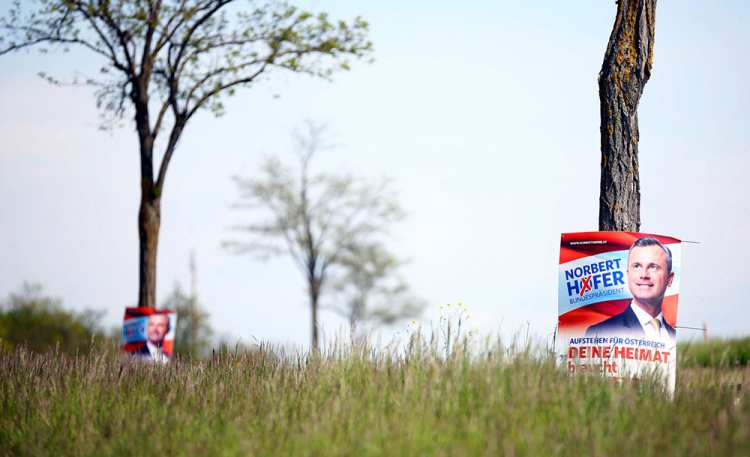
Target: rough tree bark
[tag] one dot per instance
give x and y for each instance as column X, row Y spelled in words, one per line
column 624, row 74
column 149, row 221
column 149, row 212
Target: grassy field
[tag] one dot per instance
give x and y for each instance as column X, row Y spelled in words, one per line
column 716, row 353
column 360, row 402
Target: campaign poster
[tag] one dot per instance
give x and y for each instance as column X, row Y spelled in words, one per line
column 148, row 333
column 617, row 304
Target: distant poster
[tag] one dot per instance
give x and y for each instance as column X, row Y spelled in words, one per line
column 148, row 333
column 617, row 304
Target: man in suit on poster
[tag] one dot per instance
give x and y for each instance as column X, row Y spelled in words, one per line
column 649, row 273
column 156, row 330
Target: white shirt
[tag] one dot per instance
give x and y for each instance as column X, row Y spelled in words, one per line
column 156, row 353
column 645, row 318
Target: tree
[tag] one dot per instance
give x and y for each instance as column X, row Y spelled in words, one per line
column 371, row 288
column 330, row 225
column 624, row 74
column 37, row 321
column 193, row 332
column 164, row 60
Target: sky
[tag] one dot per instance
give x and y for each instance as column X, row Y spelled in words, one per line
column 486, row 114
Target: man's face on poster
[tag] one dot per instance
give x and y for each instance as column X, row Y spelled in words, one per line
column 158, row 326
column 648, row 274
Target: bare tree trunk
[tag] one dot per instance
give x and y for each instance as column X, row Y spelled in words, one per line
column 352, row 330
column 625, row 72
column 149, row 221
column 149, row 213
column 314, row 295
column 193, row 304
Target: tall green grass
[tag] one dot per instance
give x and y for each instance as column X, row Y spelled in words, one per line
column 716, row 353
column 356, row 401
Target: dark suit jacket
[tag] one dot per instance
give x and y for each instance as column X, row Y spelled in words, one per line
column 143, row 352
column 624, row 323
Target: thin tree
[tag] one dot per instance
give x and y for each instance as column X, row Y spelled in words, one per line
column 193, row 335
column 319, row 220
column 624, row 74
column 163, row 61
column 370, row 288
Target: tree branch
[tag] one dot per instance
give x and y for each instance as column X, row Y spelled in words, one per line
column 204, row 98
column 189, row 34
column 174, row 137
column 113, row 55
column 151, row 23
column 167, row 34
column 107, row 17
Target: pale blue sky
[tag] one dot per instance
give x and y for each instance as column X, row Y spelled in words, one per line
column 486, row 114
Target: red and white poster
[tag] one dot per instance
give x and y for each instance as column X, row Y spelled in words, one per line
column 617, row 304
column 148, row 333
